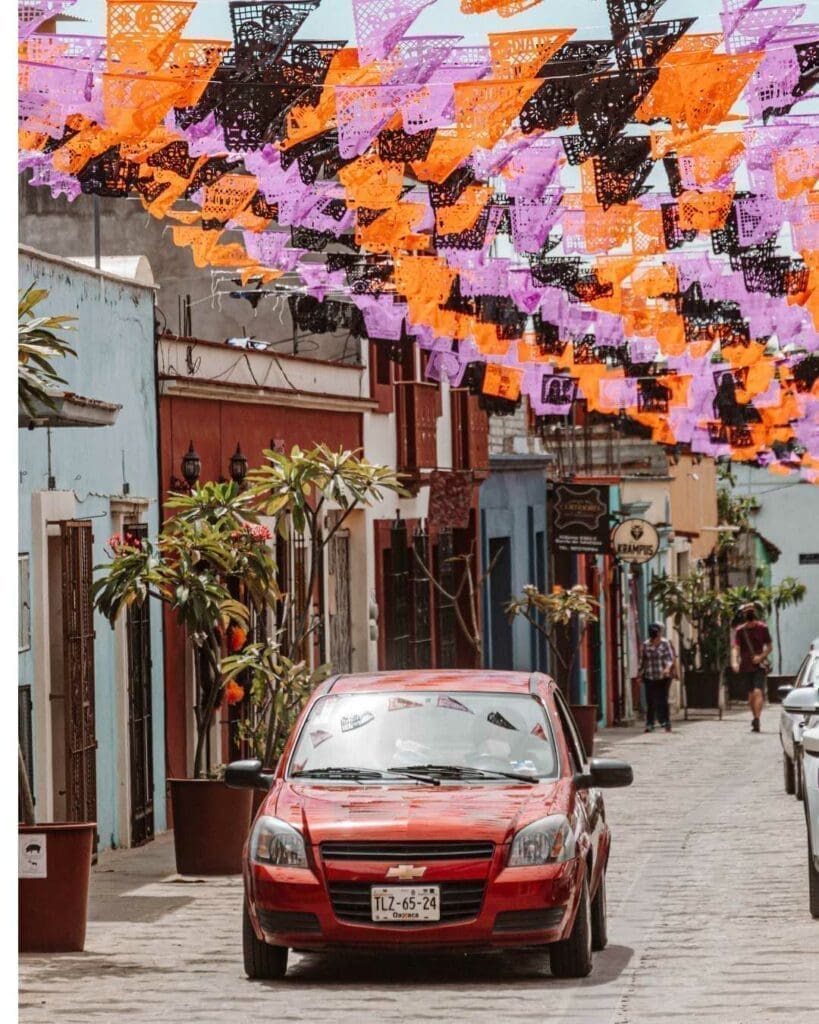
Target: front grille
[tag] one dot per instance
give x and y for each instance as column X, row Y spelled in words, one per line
column 387, row 851
column 460, row 901
column 528, row 920
column 288, row 921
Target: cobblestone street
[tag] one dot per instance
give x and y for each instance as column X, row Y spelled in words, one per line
column 707, row 906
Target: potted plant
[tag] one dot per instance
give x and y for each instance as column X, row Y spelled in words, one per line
column 562, row 617
column 211, row 565
column 54, row 863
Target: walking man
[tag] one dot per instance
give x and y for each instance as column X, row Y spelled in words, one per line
column 657, row 666
column 752, row 645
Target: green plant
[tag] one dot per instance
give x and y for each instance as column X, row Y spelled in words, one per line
column 787, row 594
column 278, row 688
column 553, row 615
column 37, row 347
column 212, row 567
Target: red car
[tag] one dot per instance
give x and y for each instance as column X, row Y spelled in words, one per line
column 419, row 809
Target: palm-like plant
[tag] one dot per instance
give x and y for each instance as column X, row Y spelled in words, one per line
column 37, row 347
column 553, row 614
column 211, row 566
column 786, row 594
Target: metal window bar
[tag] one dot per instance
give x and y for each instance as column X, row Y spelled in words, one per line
column 447, row 646
column 25, row 738
column 398, row 631
column 421, row 640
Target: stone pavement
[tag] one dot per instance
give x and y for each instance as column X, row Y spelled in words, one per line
column 708, row 922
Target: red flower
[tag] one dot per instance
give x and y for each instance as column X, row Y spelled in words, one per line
column 234, row 693
column 236, row 638
column 260, row 533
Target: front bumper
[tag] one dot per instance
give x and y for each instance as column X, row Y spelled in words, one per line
column 515, row 907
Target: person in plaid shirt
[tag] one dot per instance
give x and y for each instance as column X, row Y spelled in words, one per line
column 657, row 666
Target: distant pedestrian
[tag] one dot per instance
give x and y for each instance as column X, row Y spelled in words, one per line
column 658, row 665
column 751, row 647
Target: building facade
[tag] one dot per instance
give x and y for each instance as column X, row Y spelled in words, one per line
column 375, row 604
column 91, row 706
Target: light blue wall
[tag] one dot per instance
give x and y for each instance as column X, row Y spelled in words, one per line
column 789, row 517
column 513, row 504
column 114, row 341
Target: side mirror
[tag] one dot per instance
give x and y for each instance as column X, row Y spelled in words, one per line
column 784, row 690
column 804, row 700
column 610, row 772
column 247, row 775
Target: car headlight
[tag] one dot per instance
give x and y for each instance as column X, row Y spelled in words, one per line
column 547, row 841
column 275, row 842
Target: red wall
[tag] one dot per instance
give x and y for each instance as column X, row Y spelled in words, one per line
column 215, row 427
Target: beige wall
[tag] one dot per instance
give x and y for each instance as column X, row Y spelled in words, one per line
column 693, row 490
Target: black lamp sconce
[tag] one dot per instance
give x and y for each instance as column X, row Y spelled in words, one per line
column 191, row 467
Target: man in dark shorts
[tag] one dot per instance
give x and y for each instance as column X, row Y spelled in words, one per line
column 752, row 645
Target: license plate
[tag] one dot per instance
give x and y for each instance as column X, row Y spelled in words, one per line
column 406, row 903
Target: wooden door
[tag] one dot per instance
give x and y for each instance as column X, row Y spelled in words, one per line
column 341, row 643
column 78, row 658
column 140, row 738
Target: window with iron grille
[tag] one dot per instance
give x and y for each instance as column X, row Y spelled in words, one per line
column 23, row 603
column 24, row 733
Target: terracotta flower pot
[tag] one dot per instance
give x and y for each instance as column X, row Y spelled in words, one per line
column 53, row 887
column 210, row 826
column 585, row 715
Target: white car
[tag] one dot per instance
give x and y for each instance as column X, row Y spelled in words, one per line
column 810, row 775
column 791, row 725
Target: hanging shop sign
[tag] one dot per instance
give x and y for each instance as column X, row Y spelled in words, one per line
column 580, row 519
column 635, row 540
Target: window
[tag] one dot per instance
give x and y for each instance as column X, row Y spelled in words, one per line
column 384, row 732
column 577, row 754
column 23, row 604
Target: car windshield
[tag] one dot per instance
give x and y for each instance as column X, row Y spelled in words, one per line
column 476, row 734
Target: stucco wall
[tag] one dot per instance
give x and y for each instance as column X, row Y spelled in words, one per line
column 115, row 363
column 788, row 516
column 506, row 499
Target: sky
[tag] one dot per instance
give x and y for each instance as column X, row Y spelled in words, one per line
column 334, row 20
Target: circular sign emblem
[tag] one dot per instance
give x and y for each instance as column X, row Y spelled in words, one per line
column 635, row 540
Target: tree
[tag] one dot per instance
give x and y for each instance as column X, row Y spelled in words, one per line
column 298, row 491
column 553, row 615
column 210, row 564
column 466, row 592
column 37, row 347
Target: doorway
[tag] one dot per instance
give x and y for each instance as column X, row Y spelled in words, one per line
column 500, row 591
column 140, row 738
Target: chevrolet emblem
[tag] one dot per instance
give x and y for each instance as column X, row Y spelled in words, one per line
column 405, row 872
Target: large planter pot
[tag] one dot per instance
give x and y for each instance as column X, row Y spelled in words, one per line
column 585, row 715
column 772, row 684
column 702, row 691
column 53, row 898
column 210, row 825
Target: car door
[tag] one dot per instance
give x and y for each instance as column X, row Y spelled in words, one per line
column 590, row 801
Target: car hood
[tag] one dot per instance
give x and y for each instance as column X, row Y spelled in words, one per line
column 492, row 811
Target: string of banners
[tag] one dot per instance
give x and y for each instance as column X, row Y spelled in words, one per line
column 630, row 220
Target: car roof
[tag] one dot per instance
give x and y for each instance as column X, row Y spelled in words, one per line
column 433, row 679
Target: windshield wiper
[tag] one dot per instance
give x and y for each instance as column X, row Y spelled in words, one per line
column 359, row 774
column 457, row 771
column 355, row 774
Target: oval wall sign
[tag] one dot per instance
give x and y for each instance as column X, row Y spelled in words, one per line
column 635, row 540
